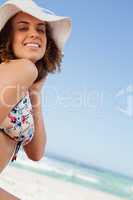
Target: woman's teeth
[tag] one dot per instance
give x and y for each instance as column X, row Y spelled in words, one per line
column 32, row 45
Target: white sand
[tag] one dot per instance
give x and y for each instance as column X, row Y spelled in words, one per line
column 31, row 186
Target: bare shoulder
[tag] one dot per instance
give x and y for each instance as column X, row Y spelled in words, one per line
column 16, row 62
column 20, row 65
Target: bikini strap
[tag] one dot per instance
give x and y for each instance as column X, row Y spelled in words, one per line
column 16, row 150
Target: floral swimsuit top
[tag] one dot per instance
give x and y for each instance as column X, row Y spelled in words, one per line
column 19, row 124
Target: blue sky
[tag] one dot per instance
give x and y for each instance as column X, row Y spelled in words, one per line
column 88, row 107
column 89, row 111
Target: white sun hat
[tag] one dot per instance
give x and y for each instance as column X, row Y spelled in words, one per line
column 60, row 25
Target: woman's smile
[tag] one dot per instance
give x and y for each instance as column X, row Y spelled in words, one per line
column 32, row 45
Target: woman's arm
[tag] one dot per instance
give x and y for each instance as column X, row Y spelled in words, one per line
column 15, row 78
column 35, row 149
column 4, row 195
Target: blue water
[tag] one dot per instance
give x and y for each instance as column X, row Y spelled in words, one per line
column 78, row 173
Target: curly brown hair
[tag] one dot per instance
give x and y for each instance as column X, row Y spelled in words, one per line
column 51, row 61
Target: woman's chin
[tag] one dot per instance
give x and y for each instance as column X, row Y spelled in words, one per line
column 33, row 59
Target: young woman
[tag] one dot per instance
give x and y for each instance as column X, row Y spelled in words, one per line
column 31, row 43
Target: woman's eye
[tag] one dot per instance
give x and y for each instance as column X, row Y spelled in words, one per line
column 41, row 30
column 23, row 28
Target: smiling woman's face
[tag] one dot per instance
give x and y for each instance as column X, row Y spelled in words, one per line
column 29, row 37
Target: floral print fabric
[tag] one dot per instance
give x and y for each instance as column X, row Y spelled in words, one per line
column 19, row 124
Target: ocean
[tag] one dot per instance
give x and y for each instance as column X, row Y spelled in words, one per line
column 79, row 173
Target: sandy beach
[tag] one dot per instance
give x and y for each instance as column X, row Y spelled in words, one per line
column 31, row 186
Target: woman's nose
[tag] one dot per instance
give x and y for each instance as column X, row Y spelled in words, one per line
column 33, row 33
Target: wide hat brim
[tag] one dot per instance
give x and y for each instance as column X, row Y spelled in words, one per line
column 60, row 25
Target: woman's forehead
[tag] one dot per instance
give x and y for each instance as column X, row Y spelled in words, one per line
column 21, row 16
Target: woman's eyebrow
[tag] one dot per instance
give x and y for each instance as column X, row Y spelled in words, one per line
column 25, row 22
column 41, row 24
